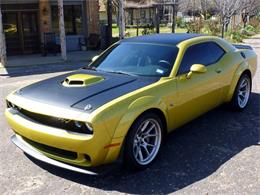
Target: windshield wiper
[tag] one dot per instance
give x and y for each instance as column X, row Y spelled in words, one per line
column 121, row 72
column 90, row 68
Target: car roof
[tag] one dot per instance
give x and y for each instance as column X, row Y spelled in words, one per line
column 164, row 38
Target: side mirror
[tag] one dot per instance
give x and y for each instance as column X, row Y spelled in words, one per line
column 94, row 58
column 196, row 68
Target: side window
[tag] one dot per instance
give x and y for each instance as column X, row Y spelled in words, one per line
column 204, row 53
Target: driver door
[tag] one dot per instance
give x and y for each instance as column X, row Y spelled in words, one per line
column 202, row 91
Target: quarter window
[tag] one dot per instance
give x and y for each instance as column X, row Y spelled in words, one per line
column 204, row 53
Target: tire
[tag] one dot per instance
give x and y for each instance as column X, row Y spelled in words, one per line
column 242, row 93
column 143, row 141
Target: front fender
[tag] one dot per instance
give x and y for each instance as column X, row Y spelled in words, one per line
column 135, row 109
column 122, row 124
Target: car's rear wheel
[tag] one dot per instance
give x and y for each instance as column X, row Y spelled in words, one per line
column 143, row 141
column 242, row 93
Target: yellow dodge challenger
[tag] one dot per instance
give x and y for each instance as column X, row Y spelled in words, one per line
column 126, row 100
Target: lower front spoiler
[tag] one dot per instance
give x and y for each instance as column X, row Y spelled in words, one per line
column 28, row 149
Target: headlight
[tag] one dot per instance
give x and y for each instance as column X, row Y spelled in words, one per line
column 84, row 127
column 89, row 126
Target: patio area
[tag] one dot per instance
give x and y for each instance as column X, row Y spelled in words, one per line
column 38, row 59
column 37, row 64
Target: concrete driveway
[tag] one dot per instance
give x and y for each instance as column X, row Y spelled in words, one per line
column 218, row 153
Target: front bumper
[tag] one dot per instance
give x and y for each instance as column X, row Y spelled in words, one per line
column 28, row 149
column 90, row 150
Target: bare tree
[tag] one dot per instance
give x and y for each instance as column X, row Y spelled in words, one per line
column 191, row 6
column 226, row 9
column 2, row 42
column 62, row 30
column 121, row 19
column 249, row 8
column 205, row 7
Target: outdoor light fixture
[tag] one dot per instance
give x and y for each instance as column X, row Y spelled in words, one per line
column 45, row 11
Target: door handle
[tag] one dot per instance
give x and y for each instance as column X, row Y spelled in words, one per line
column 218, row 70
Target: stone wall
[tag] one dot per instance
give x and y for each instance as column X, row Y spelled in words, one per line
column 92, row 12
column 45, row 17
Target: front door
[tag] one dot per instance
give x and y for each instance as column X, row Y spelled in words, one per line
column 21, row 32
column 202, row 91
column 12, row 35
column 30, row 34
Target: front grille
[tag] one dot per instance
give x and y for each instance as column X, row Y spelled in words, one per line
column 61, row 123
column 52, row 121
column 52, row 150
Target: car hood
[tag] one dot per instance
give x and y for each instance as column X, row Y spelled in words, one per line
column 83, row 89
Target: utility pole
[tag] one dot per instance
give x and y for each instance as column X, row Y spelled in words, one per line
column 62, row 30
column 2, row 42
column 121, row 19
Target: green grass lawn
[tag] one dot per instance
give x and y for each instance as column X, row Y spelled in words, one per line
column 131, row 32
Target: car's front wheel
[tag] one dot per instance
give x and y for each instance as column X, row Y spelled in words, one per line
column 242, row 93
column 143, row 141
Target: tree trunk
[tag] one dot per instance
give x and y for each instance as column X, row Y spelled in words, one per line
column 173, row 19
column 226, row 26
column 223, row 30
column 157, row 20
column 2, row 42
column 109, row 22
column 137, row 27
column 121, row 19
column 62, row 30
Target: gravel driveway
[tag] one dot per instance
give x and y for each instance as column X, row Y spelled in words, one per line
column 218, row 153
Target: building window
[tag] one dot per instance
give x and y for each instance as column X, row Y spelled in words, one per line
column 72, row 19
column 142, row 14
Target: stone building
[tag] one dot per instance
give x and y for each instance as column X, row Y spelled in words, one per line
column 25, row 22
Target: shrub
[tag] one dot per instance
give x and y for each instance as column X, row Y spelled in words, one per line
column 236, row 36
column 148, row 30
column 247, row 31
column 250, row 28
column 180, row 22
column 194, row 26
column 255, row 22
column 214, row 27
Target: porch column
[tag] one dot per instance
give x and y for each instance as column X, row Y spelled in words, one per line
column 62, row 30
column 121, row 19
column 2, row 42
column 45, row 17
column 92, row 13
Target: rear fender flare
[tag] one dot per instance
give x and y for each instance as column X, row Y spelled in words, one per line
column 239, row 71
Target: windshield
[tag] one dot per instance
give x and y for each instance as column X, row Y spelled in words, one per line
column 137, row 59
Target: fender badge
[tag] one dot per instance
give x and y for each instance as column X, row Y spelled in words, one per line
column 88, row 107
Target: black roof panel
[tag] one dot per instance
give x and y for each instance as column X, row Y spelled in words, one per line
column 164, row 38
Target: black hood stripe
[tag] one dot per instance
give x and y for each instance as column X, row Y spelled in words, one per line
column 52, row 92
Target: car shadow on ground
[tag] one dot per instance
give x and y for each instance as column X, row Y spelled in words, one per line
column 191, row 153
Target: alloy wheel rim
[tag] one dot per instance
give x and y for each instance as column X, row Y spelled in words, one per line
column 243, row 92
column 147, row 141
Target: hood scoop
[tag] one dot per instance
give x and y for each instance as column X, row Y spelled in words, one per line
column 81, row 80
